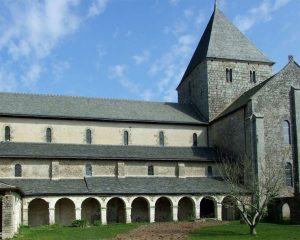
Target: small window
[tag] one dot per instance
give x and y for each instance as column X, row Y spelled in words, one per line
column 88, row 136
column 228, row 75
column 125, row 137
column 289, row 175
column 209, row 171
column 286, row 132
column 88, row 170
column 7, row 133
column 195, row 140
column 161, row 138
column 253, row 76
column 49, row 135
column 18, row 170
column 150, row 170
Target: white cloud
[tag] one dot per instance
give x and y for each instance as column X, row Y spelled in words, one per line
column 117, row 71
column 174, row 2
column 32, row 75
column 141, row 58
column 58, row 69
column 97, row 7
column 260, row 13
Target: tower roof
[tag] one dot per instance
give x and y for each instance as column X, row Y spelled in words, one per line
column 221, row 39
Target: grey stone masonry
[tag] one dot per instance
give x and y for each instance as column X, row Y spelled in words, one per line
column 7, row 216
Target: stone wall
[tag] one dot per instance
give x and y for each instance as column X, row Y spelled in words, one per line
column 229, row 133
column 222, row 93
column 103, row 133
column 73, row 169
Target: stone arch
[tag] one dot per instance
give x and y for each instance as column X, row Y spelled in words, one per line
column 229, row 209
column 116, row 210
column 38, row 212
column 186, row 209
column 91, row 210
column 64, row 211
column 286, row 212
column 163, row 209
column 140, row 210
column 208, row 207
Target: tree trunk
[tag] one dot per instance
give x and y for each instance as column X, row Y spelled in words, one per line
column 253, row 230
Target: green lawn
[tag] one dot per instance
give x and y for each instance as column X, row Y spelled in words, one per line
column 237, row 231
column 64, row 233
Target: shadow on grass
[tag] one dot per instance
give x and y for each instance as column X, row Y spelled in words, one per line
column 208, row 233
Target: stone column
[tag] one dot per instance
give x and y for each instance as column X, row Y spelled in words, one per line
column 25, row 216
column 8, row 216
column 152, row 214
column 219, row 211
column 197, row 211
column 78, row 213
column 128, row 214
column 51, row 216
column 103, row 215
column 175, row 213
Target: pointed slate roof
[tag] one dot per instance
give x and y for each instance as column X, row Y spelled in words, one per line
column 221, row 39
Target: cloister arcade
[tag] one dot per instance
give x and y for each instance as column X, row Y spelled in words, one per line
column 120, row 209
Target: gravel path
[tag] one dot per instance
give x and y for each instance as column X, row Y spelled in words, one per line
column 165, row 231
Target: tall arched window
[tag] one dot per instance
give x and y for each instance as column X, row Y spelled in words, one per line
column 286, row 132
column 150, row 170
column 126, row 137
column 288, row 175
column 48, row 135
column 88, row 136
column 228, row 75
column 88, row 170
column 7, row 133
column 209, row 171
column 254, row 76
column 161, row 138
column 18, row 170
column 195, row 140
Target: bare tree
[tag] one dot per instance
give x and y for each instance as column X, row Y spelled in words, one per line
column 252, row 186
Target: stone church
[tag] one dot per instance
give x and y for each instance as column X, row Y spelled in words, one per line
column 66, row 158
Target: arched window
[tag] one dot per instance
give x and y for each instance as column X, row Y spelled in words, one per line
column 288, row 175
column 161, row 138
column 251, row 76
column 88, row 136
column 18, row 170
column 48, row 135
column 195, row 140
column 209, row 171
column 126, row 137
column 7, row 133
column 88, row 170
column 228, row 75
column 150, row 170
column 286, row 132
column 254, row 77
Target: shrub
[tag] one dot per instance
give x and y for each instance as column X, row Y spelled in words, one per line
column 79, row 223
column 97, row 223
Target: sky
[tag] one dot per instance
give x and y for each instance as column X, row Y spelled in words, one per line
column 126, row 49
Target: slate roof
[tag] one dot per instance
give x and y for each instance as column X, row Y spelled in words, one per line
column 32, row 105
column 221, row 39
column 87, row 151
column 124, row 186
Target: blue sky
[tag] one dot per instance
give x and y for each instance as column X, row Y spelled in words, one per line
column 129, row 49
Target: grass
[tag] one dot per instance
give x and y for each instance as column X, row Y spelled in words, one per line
column 56, row 232
column 237, row 231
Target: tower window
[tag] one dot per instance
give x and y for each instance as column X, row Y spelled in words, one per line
column 150, row 170
column 18, row 170
column 253, row 76
column 209, row 171
column 195, row 140
column 288, row 175
column 49, row 135
column 88, row 170
column 88, row 136
column 161, row 138
column 286, row 132
column 126, row 137
column 228, row 75
column 7, row 133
